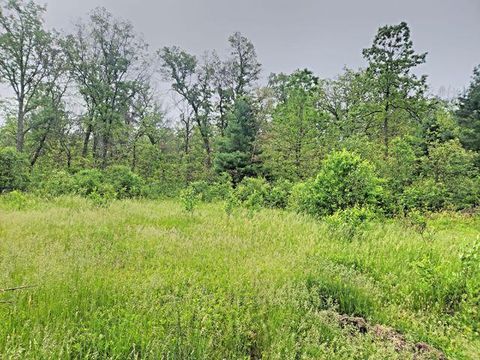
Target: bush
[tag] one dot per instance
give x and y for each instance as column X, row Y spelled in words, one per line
column 279, row 194
column 125, row 183
column 401, row 168
column 54, row 184
column 157, row 189
column 450, row 180
column 14, row 170
column 253, row 192
column 344, row 181
column 189, row 199
column 301, row 197
column 88, row 181
column 216, row 191
column 452, row 166
column 425, row 195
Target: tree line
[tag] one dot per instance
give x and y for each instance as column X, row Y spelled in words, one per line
column 88, row 99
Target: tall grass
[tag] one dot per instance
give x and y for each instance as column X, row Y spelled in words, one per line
column 144, row 279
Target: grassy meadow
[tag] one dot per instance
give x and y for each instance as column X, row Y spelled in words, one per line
column 145, row 279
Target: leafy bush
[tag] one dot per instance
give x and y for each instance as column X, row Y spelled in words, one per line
column 201, row 189
column 301, row 197
column 279, row 194
column 103, row 196
column 449, row 181
column 55, row 183
column 401, row 168
column 425, row 195
column 189, row 199
column 125, row 183
column 344, row 181
column 88, row 181
column 14, row 170
column 253, row 192
column 208, row 192
column 156, row 189
column 450, row 165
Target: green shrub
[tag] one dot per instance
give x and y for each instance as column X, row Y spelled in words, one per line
column 279, row 194
column 125, row 183
column 464, row 193
column 88, row 181
column 301, row 197
column 253, row 192
column 221, row 189
column 216, row 191
column 453, row 170
column 156, row 189
column 425, row 195
column 344, row 181
column 401, row 167
column 103, row 196
column 55, row 183
column 14, row 170
column 189, row 199
column 201, row 189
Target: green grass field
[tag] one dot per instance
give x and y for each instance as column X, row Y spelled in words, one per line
column 144, row 279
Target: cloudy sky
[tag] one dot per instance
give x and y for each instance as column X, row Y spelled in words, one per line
column 323, row 35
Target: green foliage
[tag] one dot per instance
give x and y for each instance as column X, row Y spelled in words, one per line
column 291, row 151
column 276, row 285
column 15, row 200
column 345, row 180
column 237, row 153
column 14, row 170
column 103, row 196
column 350, row 223
column 301, row 197
column 402, row 166
column 231, row 202
column 54, row 183
column 417, row 220
column 397, row 92
column 88, row 181
column 124, row 182
column 189, row 199
column 424, row 195
column 470, row 275
column 253, row 192
column 279, row 194
column 449, row 180
column 468, row 114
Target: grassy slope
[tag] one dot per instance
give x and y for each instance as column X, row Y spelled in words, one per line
column 144, row 279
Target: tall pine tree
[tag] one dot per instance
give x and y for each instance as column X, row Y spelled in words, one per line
column 237, row 151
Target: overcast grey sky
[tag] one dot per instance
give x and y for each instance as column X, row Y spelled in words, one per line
column 322, row 35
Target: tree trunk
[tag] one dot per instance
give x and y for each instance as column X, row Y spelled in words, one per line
column 20, row 125
column 86, row 141
column 385, row 128
column 39, row 149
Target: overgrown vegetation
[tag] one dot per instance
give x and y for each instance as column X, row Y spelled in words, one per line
column 145, row 279
column 254, row 220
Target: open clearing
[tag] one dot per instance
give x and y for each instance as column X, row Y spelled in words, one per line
column 145, row 279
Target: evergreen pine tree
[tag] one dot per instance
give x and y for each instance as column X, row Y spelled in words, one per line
column 237, row 152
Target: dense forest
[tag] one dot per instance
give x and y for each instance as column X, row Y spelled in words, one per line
column 86, row 116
